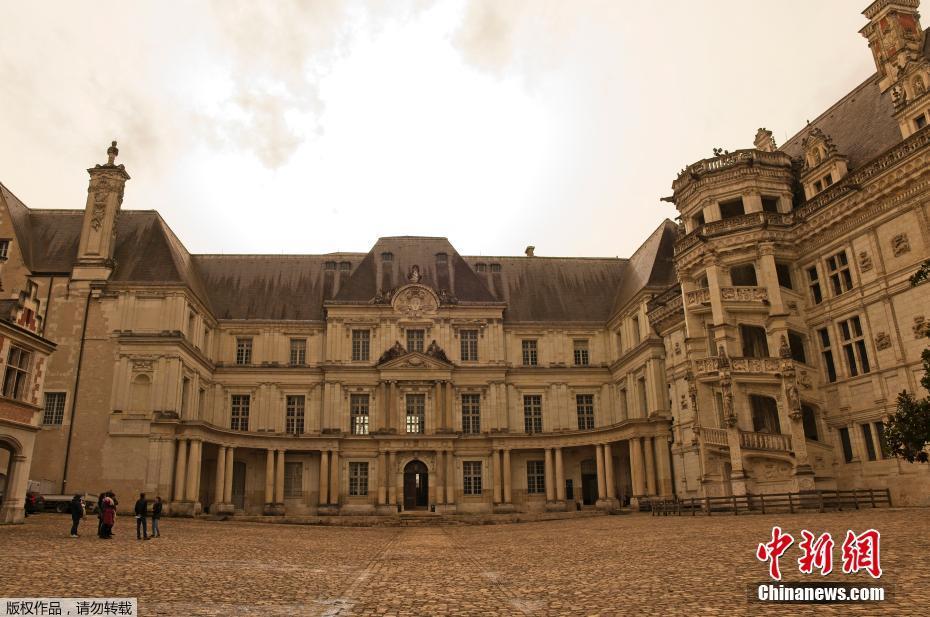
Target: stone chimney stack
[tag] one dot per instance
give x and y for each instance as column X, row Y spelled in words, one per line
column 895, row 36
column 98, row 232
column 764, row 141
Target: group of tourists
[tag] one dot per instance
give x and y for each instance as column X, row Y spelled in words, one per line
column 106, row 515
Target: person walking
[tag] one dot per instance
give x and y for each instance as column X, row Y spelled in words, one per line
column 108, row 518
column 156, row 515
column 100, row 514
column 77, row 513
column 142, row 506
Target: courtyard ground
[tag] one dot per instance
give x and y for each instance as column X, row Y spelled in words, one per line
column 616, row 565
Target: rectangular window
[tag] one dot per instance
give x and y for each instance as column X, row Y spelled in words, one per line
column 415, row 340
column 469, row 339
column 857, row 359
column 809, row 420
column 298, row 351
column 764, row 414
column 416, row 413
column 827, row 354
column 828, row 180
column 190, row 325
column 847, row 445
column 634, row 326
column 920, row 121
column 54, row 408
column 471, row 477
column 359, row 413
column 718, row 404
column 818, row 186
column 783, row 271
column 358, row 479
column 530, row 355
column 732, row 208
column 882, row 442
column 239, row 417
column 293, row 480
column 814, row 284
column 471, row 414
column 755, row 342
column 4, row 249
column 769, row 204
column 361, row 345
column 584, row 404
column 838, row 270
column 869, row 444
column 243, row 351
column 796, row 343
column 536, row 477
column 622, row 400
column 532, row 413
column 17, row 373
column 744, row 275
column 294, row 415
column 581, row 352
column 643, row 399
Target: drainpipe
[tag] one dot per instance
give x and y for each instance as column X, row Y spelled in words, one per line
column 74, row 395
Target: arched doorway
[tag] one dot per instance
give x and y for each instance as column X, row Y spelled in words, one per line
column 416, row 486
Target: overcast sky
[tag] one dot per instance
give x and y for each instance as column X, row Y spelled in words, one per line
column 318, row 126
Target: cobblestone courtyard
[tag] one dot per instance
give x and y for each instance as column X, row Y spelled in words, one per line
column 618, row 565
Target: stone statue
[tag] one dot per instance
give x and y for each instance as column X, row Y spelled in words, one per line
column 396, row 351
column 414, row 276
column 435, row 351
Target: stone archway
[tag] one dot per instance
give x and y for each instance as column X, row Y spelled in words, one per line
column 16, row 480
column 416, row 485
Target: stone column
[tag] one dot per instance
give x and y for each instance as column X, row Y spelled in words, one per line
column 439, row 407
column 507, row 492
column 663, row 468
column 334, row 479
column 269, row 477
column 450, row 475
column 609, row 472
column 550, row 488
column 601, row 480
column 379, row 422
column 180, row 469
column 392, row 479
column 218, row 491
column 192, row 485
column 279, row 479
column 324, row 477
column 636, row 470
column 382, row 478
column 228, row 482
column 17, row 484
column 390, row 422
column 559, row 476
column 650, row 466
column 496, row 475
column 440, row 484
column 450, row 404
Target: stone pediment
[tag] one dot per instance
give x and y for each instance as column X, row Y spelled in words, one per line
column 415, row 360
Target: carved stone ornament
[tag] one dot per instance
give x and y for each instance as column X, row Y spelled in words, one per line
column 677, row 348
column 684, row 402
column 882, row 341
column 143, row 366
column 435, row 351
column 784, row 349
column 900, row 245
column 865, row 261
column 414, row 275
column 415, row 301
column 395, row 351
column 920, row 326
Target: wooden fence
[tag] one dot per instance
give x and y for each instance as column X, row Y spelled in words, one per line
column 821, row 501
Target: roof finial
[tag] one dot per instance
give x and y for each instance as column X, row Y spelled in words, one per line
column 112, row 153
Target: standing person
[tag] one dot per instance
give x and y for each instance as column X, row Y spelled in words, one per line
column 100, row 514
column 77, row 513
column 108, row 518
column 141, row 512
column 156, row 515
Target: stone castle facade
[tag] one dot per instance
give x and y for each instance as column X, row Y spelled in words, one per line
column 754, row 347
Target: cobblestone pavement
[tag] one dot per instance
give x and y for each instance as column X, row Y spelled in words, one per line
column 618, row 565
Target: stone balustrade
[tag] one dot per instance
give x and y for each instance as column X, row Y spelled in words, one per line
column 714, row 436
column 697, row 297
column 711, row 364
column 743, row 294
column 765, row 441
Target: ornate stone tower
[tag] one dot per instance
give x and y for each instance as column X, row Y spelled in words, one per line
column 894, row 35
column 98, row 232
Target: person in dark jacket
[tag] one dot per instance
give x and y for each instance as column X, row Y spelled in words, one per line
column 142, row 506
column 100, row 514
column 156, row 516
column 77, row 513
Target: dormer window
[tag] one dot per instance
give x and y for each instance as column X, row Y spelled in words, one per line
column 919, row 122
column 387, row 256
column 481, row 267
column 4, row 249
column 442, row 258
column 329, row 265
column 495, row 267
column 827, row 180
column 345, row 266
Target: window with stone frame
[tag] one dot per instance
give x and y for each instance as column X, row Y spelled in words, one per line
column 359, row 413
column 847, row 445
column 783, row 272
column 623, row 403
column 744, row 275
column 755, row 341
column 764, row 414
column 298, row 355
column 580, row 348
column 293, row 480
column 769, row 203
column 190, row 325
column 358, row 479
column 361, row 345
column 471, row 477
column 54, row 412
column 244, row 350
column 838, row 272
column 827, row 351
column 530, row 352
column 854, row 350
column 882, row 440
column 532, row 413
column 239, row 412
column 642, row 396
column 809, row 421
column 536, row 477
column 4, row 249
column 469, row 345
column 415, row 340
column 732, row 208
column 796, row 343
column 634, row 328
column 471, row 414
column 869, row 444
column 584, row 405
column 416, row 413
column 16, row 378
column 813, row 283
column 295, row 405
